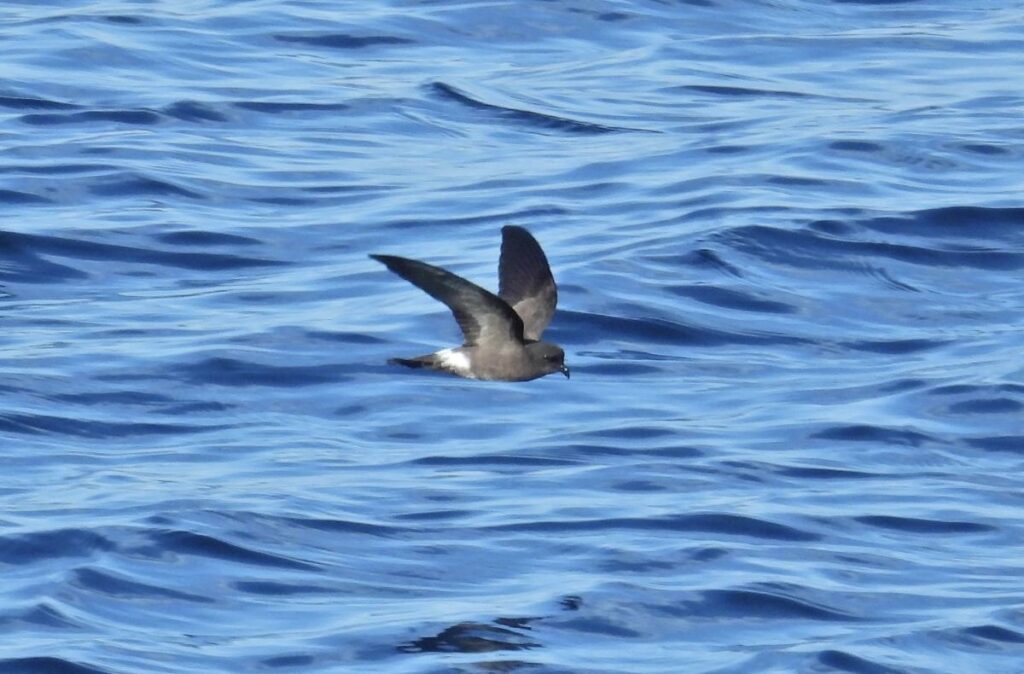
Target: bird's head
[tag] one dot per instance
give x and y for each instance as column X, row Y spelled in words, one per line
column 550, row 357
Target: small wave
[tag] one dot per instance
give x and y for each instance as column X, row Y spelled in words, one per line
column 492, row 460
column 731, row 299
column 53, row 169
column 124, row 19
column 961, row 222
column 16, row 197
column 234, row 372
column 283, row 201
column 26, row 252
column 189, row 409
column 957, row 389
column 136, row 185
column 869, row 433
column 994, row 633
column 760, row 604
column 999, row 443
column 282, row 661
column 808, row 249
column 25, row 103
column 901, row 385
column 133, row 117
column 984, row 149
column 593, row 327
column 524, row 117
column 798, row 181
column 845, row 662
column 915, row 525
column 39, row 615
column 855, row 146
column 38, row 424
column 46, row 665
column 587, row 452
column 185, row 110
column 814, row 473
column 435, row 515
column 344, row 40
column 599, row 625
column 342, row 337
column 108, row 584
column 189, row 543
column 346, row 526
column 23, row 263
column 277, row 589
column 21, row 549
column 471, row 637
column 194, row 111
column 895, row 346
column 280, row 107
column 883, row 275
column 523, row 215
column 730, row 525
column 616, row 369
column 702, row 258
column 632, row 433
column 112, row 397
column 718, row 90
column 874, row 2
column 987, row 406
column 571, row 602
column 203, row 238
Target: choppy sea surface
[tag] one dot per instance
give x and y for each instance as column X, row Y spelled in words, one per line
column 789, row 238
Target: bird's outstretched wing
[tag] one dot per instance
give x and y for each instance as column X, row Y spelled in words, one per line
column 525, row 281
column 483, row 316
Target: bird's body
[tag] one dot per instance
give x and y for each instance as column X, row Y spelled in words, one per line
column 502, row 332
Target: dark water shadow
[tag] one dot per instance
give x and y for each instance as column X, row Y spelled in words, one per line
column 520, row 117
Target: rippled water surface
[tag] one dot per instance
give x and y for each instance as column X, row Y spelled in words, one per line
column 789, row 238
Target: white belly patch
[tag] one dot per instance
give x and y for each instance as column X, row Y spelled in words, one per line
column 454, row 360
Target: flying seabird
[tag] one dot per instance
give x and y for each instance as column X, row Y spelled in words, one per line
column 502, row 332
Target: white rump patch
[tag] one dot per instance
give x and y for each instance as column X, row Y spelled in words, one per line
column 454, row 360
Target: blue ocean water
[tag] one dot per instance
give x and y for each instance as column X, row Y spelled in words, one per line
column 789, row 238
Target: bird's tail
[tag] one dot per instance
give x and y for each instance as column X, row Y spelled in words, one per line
column 428, row 360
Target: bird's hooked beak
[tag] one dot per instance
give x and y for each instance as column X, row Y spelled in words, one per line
column 565, row 370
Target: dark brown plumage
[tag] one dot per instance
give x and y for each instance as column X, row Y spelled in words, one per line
column 501, row 332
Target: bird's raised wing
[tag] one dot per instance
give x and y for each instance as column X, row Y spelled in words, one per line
column 525, row 281
column 483, row 316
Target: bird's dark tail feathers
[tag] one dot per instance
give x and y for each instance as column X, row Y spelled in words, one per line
column 417, row 362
